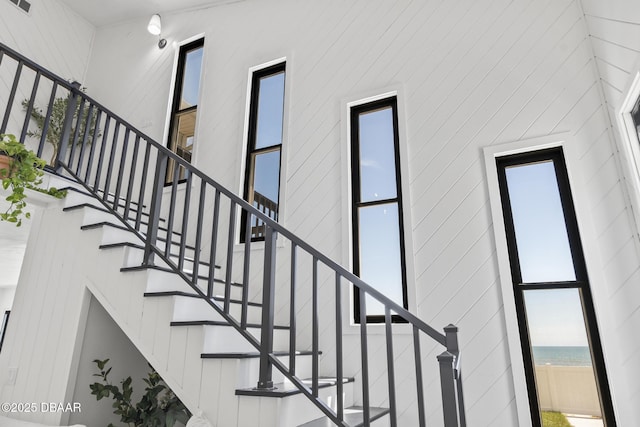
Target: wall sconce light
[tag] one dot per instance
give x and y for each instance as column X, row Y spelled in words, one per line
column 155, row 28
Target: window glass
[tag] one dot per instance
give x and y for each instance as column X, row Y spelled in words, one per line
column 191, row 79
column 541, row 232
column 378, row 243
column 564, row 365
column 380, row 261
column 185, row 107
column 377, row 157
column 270, row 111
column 266, row 115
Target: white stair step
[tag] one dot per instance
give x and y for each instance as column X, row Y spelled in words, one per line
column 288, row 407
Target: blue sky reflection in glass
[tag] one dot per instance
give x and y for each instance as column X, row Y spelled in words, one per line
column 379, row 232
column 555, row 318
column 380, row 264
column 191, row 79
column 267, row 174
column 540, row 229
column 377, row 156
column 270, row 111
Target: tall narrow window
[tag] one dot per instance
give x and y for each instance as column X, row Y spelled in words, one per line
column 185, row 106
column 262, row 176
column 559, row 336
column 635, row 116
column 378, row 241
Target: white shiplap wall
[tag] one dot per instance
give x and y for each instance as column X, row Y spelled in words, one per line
column 469, row 74
column 614, row 30
column 51, row 34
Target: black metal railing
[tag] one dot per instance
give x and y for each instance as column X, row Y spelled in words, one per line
column 292, row 283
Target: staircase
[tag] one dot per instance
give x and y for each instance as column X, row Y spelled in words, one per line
column 215, row 317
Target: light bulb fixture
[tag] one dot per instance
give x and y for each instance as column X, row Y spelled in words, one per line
column 155, row 28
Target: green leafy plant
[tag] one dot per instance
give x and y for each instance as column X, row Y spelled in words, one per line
column 25, row 170
column 554, row 419
column 158, row 407
column 56, row 123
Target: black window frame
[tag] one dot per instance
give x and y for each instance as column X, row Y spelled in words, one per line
column 581, row 282
column 252, row 134
column 356, row 203
column 175, row 105
column 635, row 117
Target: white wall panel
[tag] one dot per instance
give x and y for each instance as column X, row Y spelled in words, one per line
column 51, row 34
column 471, row 74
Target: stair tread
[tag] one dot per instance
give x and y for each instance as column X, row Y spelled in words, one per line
column 137, row 246
column 352, row 416
column 194, row 295
column 250, row 355
column 169, row 270
column 122, row 227
column 87, row 193
column 103, row 209
column 289, row 389
column 217, row 323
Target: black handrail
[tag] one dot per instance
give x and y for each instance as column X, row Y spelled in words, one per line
column 103, row 152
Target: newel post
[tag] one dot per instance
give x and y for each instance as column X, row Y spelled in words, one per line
column 265, row 380
column 69, row 114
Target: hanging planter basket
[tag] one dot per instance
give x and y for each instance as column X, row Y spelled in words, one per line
column 5, row 165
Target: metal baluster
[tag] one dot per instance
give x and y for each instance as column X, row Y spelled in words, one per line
column 172, row 207
column 47, row 119
column 85, row 138
column 103, row 147
column 68, row 122
column 245, row 269
column 265, row 380
column 123, row 161
column 390, row 369
column 315, row 350
column 230, row 243
column 292, row 311
column 154, row 213
column 27, row 113
column 420, row 391
column 196, row 253
column 78, row 117
column 112, row 155
column 94, row 142
column 339, row 370
column 214, row 243
column 364, row 350
column 185, row 222
column 132, row 176
column 143, row 184
column 12, row 96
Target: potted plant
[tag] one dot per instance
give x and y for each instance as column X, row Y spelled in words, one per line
column 158, row 407
column 56, row 122
column 20, row 169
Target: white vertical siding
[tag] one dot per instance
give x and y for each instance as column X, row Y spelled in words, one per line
column 614, row 30
column 471, row 74
column 51, row 34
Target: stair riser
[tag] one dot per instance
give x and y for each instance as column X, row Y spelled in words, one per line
column 134, row 258
column 249, row 369
column 188, row 309
column 225, row 339
column 290, row 411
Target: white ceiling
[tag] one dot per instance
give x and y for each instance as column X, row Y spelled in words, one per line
column 106, row 12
